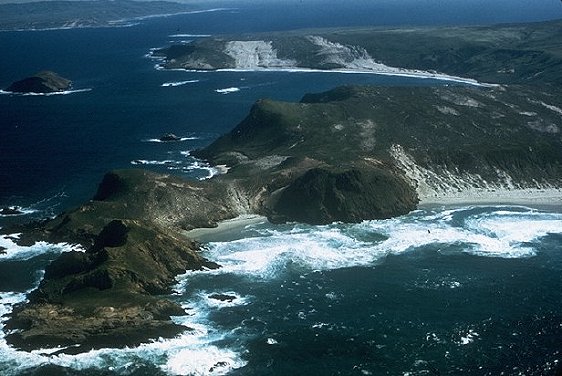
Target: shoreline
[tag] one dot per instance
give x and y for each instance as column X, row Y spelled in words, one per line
column 405, row 73
column 400, row 73
column 547, row 199
column 534, row 197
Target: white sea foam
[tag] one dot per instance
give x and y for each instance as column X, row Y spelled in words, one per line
column 189, row 36
column 501, row 233
column 202, row 170
column 228, row 90
column 188, row 354
column 194, row 352
column 14, row 251
column 18, row 211
column 179, row 83
column 467, row 338
column 203, row 166
column 181, row 139
column 7, row 301
column 65, row 92
column 167, row 162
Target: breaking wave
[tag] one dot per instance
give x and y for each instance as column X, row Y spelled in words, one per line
column 265, row 253
column 228, row 90
column 181, row 139
column 13, row 211
column 66, row 92
column 179, row 83
column 189, row 36
column 13, row 251
column 193, row 167
column 510, row 232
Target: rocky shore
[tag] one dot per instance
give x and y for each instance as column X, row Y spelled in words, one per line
column 349, row 154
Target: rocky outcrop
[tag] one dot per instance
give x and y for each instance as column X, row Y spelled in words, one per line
column 323, row 195
column 110, row 295
column 169, row 137
column 42, row 82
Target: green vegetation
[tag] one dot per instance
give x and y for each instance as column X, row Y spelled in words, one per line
column 520, row 53
column 60, row 14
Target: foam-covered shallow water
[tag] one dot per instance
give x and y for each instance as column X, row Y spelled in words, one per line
column 471, row 290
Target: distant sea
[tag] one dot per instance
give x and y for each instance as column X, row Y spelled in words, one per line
column 441, row 291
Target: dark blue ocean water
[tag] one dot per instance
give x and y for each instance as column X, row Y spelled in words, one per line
column 479, row 294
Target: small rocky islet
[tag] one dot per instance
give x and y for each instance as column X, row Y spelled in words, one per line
column 44, row 82
column 350, row 154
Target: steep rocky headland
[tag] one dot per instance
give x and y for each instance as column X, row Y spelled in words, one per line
column 350, row 154
column 42, row 82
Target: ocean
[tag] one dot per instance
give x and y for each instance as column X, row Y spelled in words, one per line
column 442, row 291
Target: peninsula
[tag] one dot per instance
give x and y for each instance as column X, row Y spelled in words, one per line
column 349, row 154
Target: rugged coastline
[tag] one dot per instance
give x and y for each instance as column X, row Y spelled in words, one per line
column 349, row 154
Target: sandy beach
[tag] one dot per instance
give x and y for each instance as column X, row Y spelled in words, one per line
column 548, row 197
column 226, row 230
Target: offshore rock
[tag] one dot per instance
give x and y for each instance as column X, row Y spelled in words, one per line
column 42, row 82
column 169, row 137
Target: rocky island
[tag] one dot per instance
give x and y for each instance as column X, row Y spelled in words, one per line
column 349, row 154
column 42, row 82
